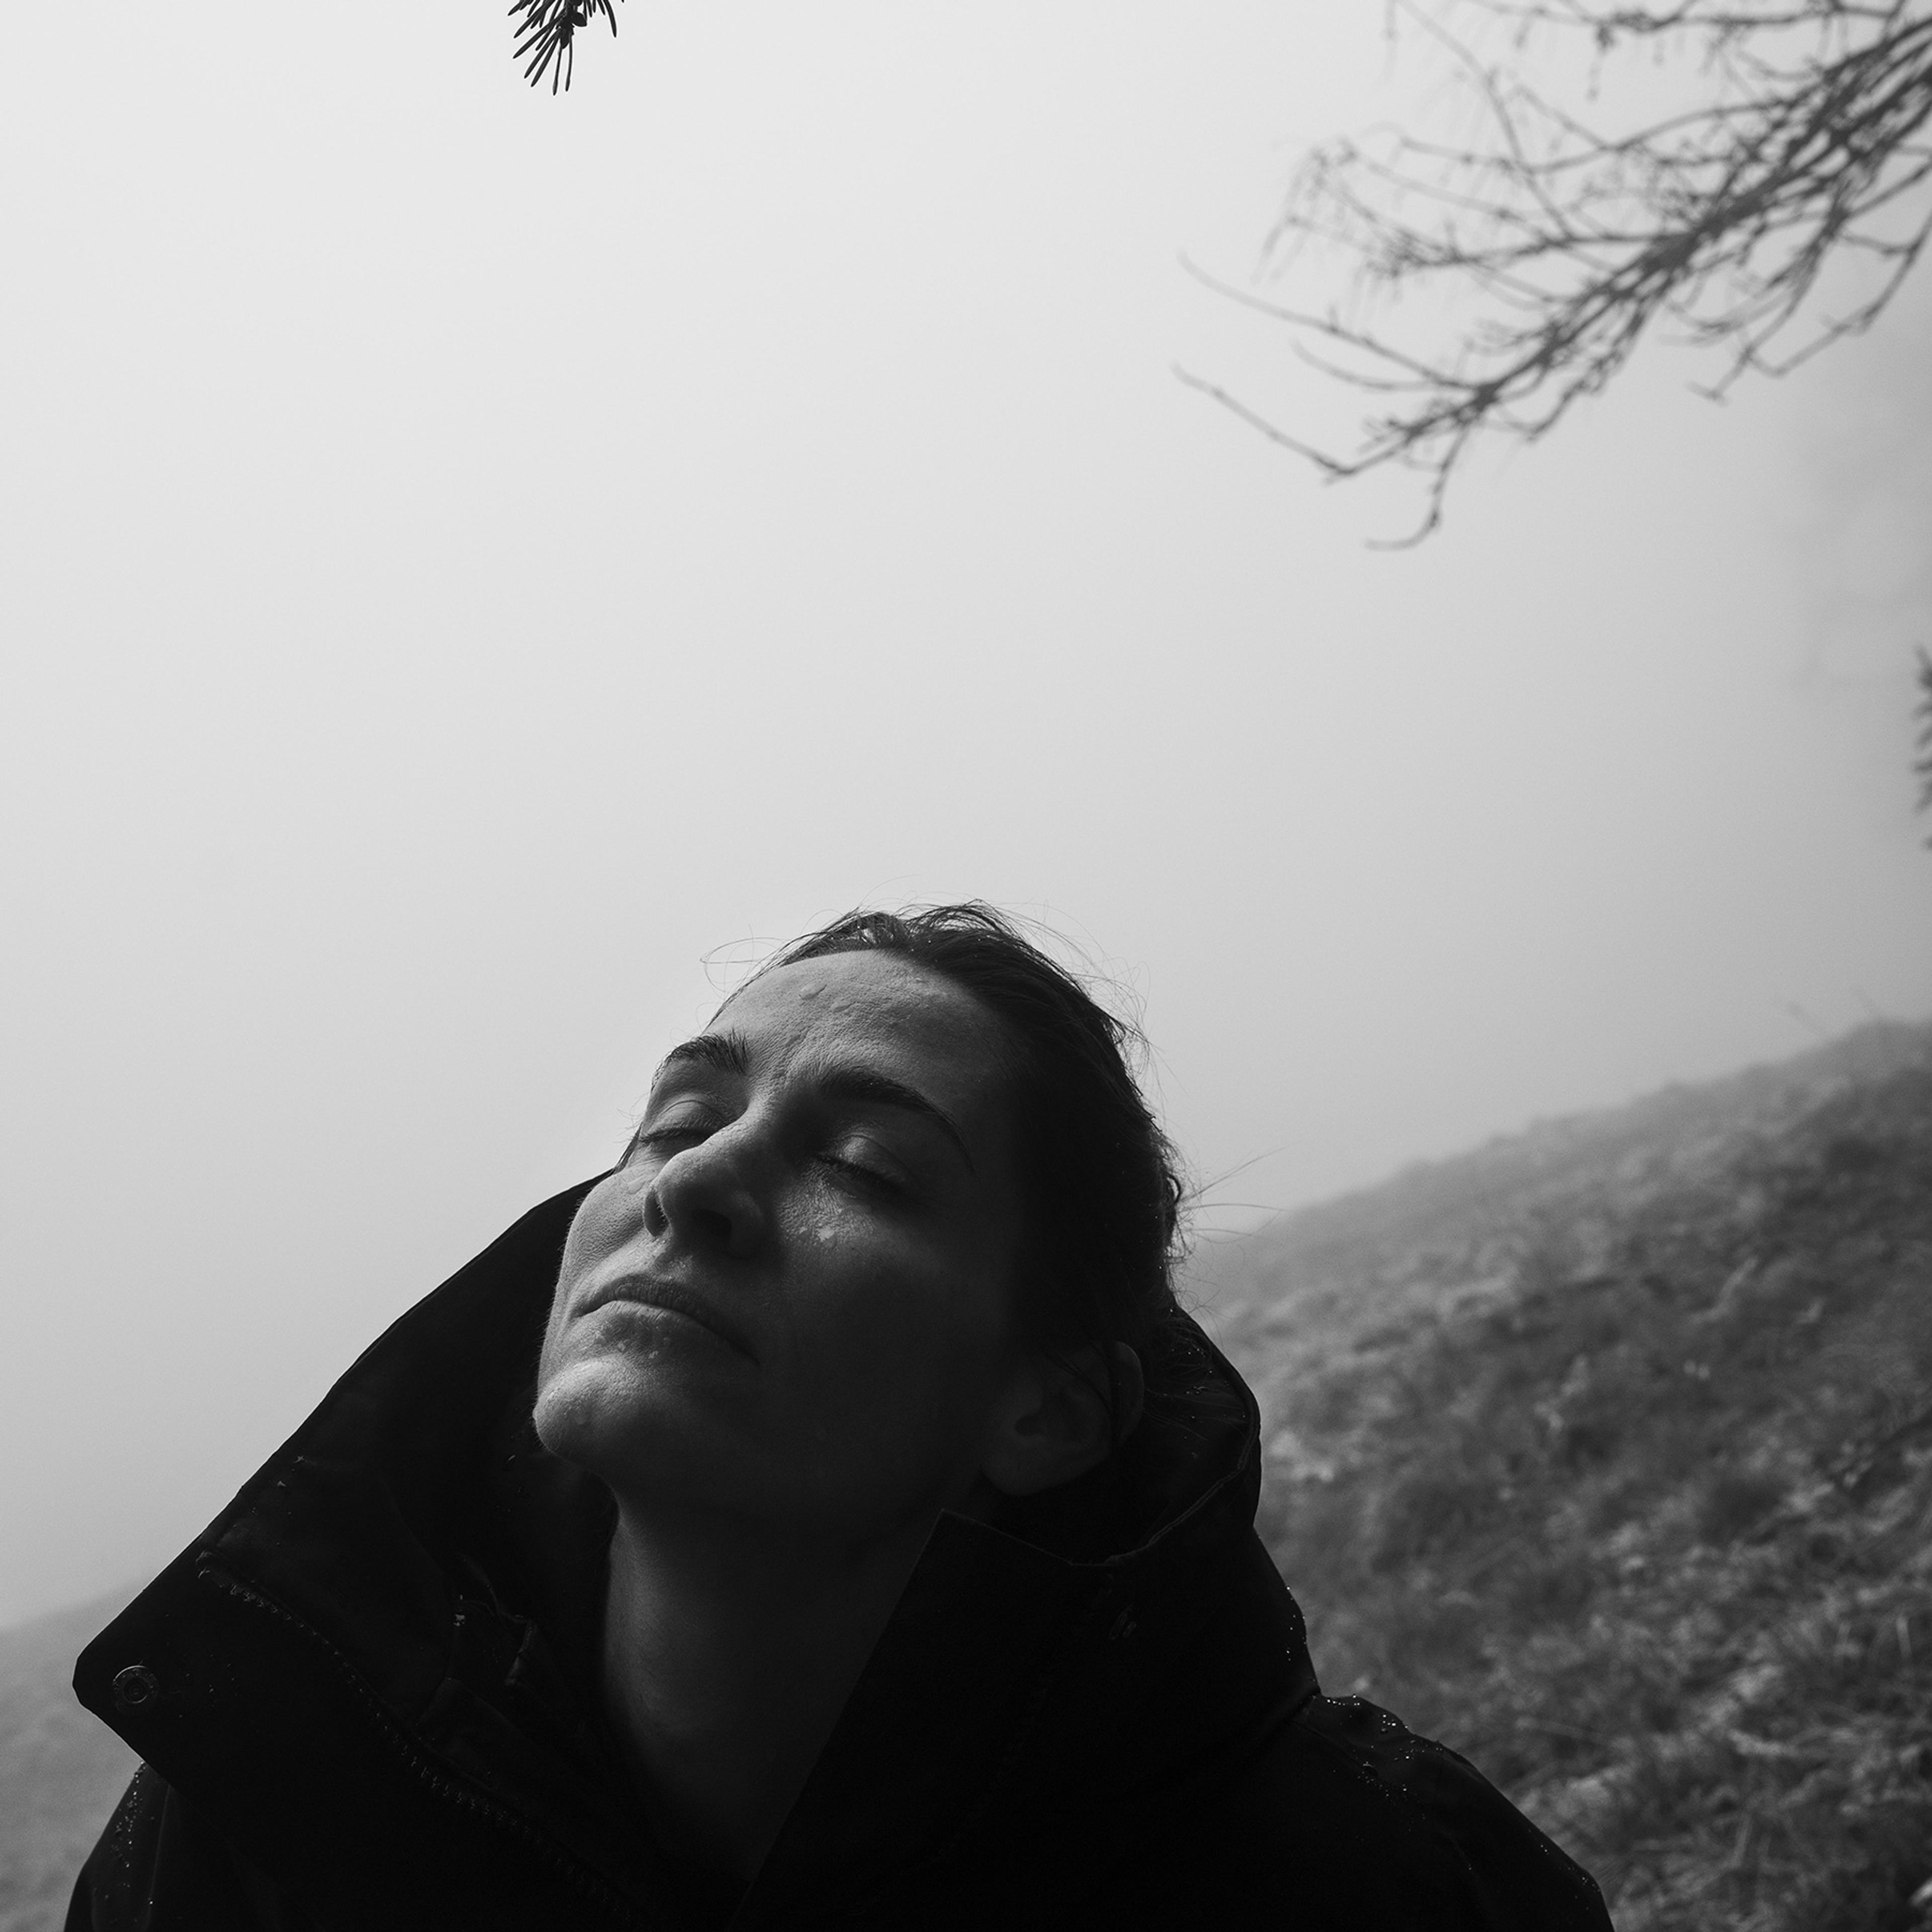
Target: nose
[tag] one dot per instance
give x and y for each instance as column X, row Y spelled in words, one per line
column 704, row 1197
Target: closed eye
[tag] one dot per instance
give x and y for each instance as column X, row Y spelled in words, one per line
column 864, row 1162
column 671, row 1136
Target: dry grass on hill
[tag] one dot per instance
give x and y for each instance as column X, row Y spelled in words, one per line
column 62, row 1770
column 1605, row 1455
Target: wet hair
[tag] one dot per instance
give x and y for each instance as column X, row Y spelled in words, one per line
column 1101, row 1184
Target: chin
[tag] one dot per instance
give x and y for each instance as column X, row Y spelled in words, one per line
column 588, row 1411
column 565, row 1414
column 628, row 1429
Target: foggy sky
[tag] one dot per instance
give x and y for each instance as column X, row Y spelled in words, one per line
column 468, row 560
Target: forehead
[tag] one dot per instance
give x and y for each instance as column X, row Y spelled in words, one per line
column 872, row 1006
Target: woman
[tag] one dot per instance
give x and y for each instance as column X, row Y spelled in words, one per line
column 873, row 1546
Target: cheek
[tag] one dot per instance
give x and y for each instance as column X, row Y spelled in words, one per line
column 894, row 1351
column 607, row 1217
column 604, row 1220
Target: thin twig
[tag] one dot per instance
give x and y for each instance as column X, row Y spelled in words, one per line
column 1719, row 221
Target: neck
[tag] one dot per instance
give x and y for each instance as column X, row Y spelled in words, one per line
column 727, row 1661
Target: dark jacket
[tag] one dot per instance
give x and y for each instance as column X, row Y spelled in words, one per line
column 366, row 1698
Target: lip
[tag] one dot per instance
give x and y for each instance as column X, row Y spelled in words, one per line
column 677, row 1300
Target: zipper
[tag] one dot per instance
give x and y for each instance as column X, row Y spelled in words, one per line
column 425, row 1769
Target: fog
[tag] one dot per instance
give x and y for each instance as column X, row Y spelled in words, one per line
column 475, row 567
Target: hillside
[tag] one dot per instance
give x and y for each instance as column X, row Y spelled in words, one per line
column 1604, row 1454
column 62, row 1770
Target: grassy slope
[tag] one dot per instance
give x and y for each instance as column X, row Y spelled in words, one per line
column 1605, row 1453
column 62, row 1770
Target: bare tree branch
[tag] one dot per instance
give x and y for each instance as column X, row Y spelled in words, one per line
column 1921, row 765
column 1798, row 169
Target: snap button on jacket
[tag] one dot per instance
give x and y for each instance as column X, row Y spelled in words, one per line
column 366, row 1698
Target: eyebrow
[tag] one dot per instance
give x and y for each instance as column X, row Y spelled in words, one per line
column 723, row 1052
column 727, row 1053
column 861, row 1083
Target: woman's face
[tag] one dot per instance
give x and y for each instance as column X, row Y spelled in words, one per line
column 793, row 1302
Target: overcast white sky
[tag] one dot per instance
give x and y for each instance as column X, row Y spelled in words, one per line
column 465, row 556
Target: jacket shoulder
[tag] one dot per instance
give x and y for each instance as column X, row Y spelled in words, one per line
column 160, row 1866
column 1346, row 1798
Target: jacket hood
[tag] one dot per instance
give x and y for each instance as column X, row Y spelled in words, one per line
column 389, row 1639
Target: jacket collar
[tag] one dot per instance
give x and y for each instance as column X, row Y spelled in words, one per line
column 412, row 1551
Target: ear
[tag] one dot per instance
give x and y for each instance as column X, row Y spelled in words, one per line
column 1054, row 1422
